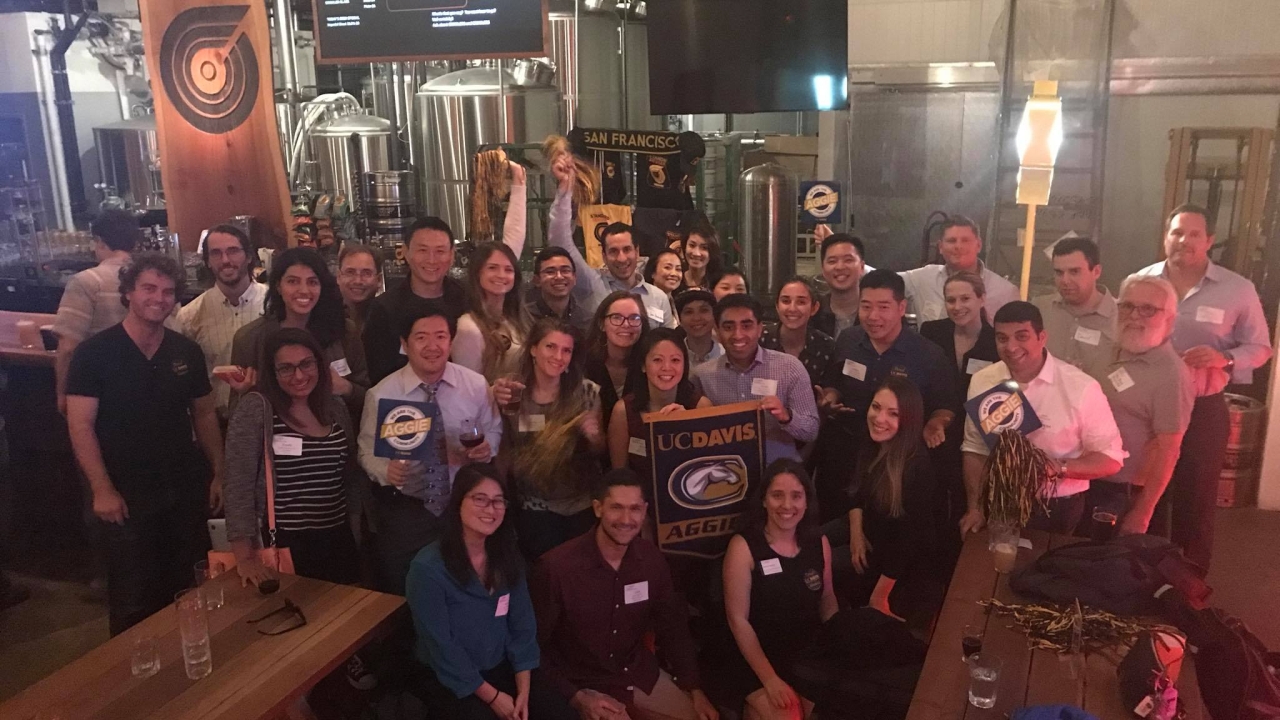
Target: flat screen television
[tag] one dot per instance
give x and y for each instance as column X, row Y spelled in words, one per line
column 746, row 56
column 357, row 31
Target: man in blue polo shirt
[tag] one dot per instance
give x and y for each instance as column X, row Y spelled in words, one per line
column 867, row 354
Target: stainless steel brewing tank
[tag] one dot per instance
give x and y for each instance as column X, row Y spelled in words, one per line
column 767, row 209
column 338, row 161
column 461, row 111
column 129, row 160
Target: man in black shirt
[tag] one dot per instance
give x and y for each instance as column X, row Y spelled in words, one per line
column 136, row 395
column 429, row 253
column 554, row 278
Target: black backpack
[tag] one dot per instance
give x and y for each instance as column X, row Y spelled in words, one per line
column 1239, row 679
column 1121, row 575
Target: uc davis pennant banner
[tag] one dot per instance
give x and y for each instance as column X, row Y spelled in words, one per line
column 704, row 463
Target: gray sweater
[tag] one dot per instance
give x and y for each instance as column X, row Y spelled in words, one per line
column 245, row 482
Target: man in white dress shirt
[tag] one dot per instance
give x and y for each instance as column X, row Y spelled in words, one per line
column 1078, row 430
column 960, row 245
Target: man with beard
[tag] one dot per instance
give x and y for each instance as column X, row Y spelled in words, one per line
column 213, row 318
column 960, row 245
column 138, row 402
column 1081, row 317
column 359, row 279
column 1078, row 432
column 1221, row 333
column 554, row 278
column 1151, row 395
column 597, row 599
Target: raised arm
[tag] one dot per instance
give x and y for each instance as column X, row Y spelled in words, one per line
column 560, row 234
column 515, row 224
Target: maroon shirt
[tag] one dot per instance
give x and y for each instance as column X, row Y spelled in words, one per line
column 591, row 637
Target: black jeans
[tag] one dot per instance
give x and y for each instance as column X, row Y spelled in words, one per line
column 543, row 530
column 328, row 554
column 545, row 703
column 1192, row 495
column 1064, row 515
column 152, row 556
column 405, row 526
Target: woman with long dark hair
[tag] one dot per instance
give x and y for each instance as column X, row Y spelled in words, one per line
column 703, row 261
column 491, row 336
column 553, row 426
column 777, row 593
column 302, row 293
column 619, row 326
column 312, row 452
column 470, row 603
column 664, row 366
column 797, row 303
column 891, row 517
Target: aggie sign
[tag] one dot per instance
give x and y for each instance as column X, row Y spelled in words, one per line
column 704, row 464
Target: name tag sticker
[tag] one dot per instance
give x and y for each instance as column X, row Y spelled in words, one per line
column 635, row 592
column 975, row 365
column 286, row 445
column 341, row 367
column 402, row 351
column 656, row 315
column 1206, row 314
column 772, row 566
column 504, row 606
column 532, row 423
column 764, row 387
column 1087, row 336
column 1120, row 380
column 636, row 446
column 1024, row 543
column 855, row 370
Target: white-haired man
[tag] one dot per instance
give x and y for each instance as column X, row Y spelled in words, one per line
column 1151, row 392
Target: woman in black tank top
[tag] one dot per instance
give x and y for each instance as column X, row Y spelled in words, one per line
column 664, row 365
column 777, row 592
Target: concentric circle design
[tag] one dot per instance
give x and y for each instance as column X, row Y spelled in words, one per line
column 209, row 69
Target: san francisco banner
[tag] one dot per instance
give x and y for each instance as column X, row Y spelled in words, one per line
column 704, row 464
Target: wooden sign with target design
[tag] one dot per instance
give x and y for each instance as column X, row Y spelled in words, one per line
column 220, row 154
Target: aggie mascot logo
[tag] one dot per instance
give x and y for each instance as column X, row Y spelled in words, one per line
column 1001, row 408
column 404, row 429
column 705, row 463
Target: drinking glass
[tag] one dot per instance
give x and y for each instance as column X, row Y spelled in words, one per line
column 971, row 641
column 213, row 593
column 984, row 679
column 193, row 625
column 146, row 660
column 1004, row 546
column 1103, row 527
column 470, row 435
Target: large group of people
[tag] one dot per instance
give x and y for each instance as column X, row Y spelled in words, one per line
column 527, row 557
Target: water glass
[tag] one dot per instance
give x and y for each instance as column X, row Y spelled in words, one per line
column 213, row 592
column 1004, row 546
column 146, row 660
column 984, row 679
column 193, row 625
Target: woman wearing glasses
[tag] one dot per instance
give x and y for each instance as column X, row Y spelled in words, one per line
column 470, row 603
column 294, row 424
column 490, row 338
column 619, row 326
column 302, row 293
column 552, row 419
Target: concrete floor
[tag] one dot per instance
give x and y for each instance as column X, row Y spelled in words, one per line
column 65, row 618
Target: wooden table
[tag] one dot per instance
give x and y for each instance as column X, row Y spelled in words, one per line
column 11, row 350
column 1029, row 677
column 254, row 675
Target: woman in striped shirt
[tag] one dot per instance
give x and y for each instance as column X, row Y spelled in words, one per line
column 312, row 450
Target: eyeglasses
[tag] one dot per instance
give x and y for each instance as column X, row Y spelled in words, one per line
column 484, row 501
column 353, row 273
column 566, row 270
column 1146, row 311
column 295, row 620
column 618, row 320
column 285, row 370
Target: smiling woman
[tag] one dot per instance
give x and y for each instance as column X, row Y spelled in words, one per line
column 491, row 336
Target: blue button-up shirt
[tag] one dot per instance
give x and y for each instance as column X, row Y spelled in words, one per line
column 462, row 395
column 460, row 631
column 725, row 384
column 1222, row 311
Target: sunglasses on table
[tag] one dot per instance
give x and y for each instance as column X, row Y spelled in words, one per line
column 294, row 619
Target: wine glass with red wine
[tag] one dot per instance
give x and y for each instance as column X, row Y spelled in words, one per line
column 470, row 436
